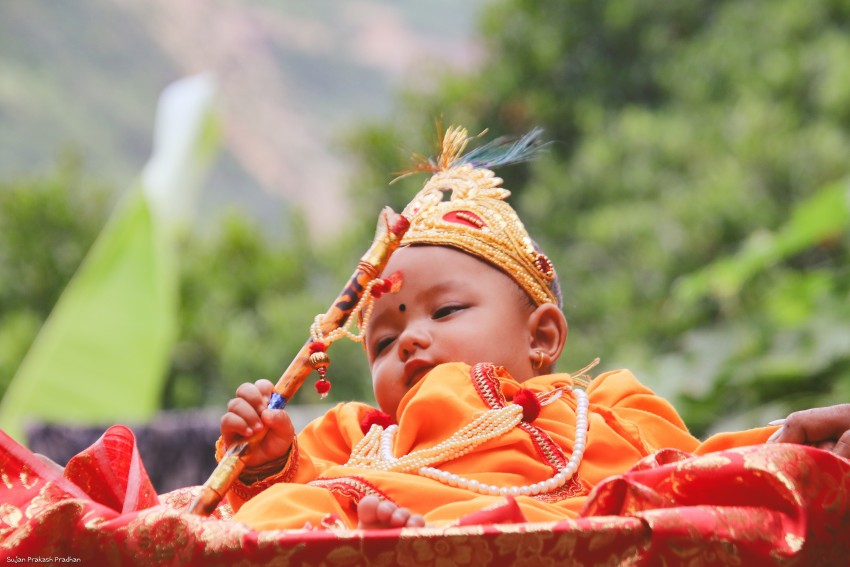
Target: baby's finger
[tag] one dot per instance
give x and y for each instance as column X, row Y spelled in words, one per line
column 234, row 426
column 253, row 395
column 248, row 413
column 278, row 422
column 265, row 387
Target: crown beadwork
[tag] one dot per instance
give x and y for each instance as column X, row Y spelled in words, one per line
column 476, row 218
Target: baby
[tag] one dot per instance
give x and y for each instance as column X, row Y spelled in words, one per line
column 462, row 359
column 467, row 311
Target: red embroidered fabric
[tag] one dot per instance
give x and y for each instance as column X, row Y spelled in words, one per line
column 759, row 505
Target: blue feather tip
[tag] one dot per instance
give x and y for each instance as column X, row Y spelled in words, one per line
column 505, row 150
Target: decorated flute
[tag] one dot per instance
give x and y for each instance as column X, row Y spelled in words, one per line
column 390, row 230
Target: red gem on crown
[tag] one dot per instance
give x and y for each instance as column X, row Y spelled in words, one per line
column 544, row 265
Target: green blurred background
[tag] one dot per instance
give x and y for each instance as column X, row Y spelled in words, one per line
column 694, row 199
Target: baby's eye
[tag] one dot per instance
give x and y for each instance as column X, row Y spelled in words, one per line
column 382, row 344
column 447, row 310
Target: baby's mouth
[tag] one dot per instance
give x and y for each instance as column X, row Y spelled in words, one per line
column 415, row 370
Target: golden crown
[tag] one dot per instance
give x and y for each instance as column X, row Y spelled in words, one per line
column 477, row 218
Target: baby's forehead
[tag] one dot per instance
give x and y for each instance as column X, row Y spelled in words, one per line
column 433, row 262
column 430, row 269
column 424, row 252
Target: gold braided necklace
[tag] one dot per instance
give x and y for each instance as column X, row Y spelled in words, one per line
column 374, row 451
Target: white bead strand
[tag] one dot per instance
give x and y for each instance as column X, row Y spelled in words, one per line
column 555, row 482
column 375, row 450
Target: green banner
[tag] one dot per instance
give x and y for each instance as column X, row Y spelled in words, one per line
column 103, row 352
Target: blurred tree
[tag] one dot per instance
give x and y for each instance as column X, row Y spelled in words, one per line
column 690, row 140
column 47, row 224
column 682, row 130
column 246, row 304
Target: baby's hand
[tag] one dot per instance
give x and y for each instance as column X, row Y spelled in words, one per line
column 248, row 414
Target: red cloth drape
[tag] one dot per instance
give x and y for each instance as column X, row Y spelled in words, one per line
column 760, row 505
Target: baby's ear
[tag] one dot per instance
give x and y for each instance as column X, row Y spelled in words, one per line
column 548, row 328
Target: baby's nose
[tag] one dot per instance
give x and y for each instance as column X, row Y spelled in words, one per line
column 412, row 339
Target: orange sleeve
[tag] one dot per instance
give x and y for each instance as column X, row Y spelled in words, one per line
column 327, row 441
column 646, row 420
column 651, row 421
column 731, row 440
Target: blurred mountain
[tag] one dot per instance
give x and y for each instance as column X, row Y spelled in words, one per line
column 84, row 77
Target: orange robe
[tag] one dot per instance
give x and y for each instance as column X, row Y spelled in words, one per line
column 627, row 422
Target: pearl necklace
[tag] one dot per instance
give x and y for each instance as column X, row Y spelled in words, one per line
column 374, row 451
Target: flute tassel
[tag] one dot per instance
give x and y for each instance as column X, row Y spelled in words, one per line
column 320, row 361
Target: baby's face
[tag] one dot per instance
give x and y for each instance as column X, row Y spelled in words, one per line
column 451, row 307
